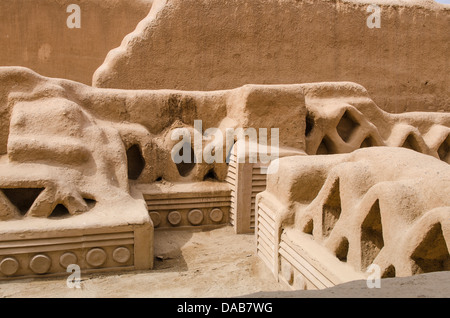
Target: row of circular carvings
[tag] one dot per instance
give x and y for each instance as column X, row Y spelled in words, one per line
column 41, row 263
column 195, row 217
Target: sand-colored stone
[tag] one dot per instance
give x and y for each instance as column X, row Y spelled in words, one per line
column 316, row 163
column 338, row 118
column 35, row 34
column 384, row 206
column 74, row 156
column 216, row 44
column 198, row 265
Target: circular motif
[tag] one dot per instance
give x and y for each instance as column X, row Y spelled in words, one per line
column 67, row 259
column 121, row 255
column 195, row 217
column 96, row 257
column 216, row 215
column 9, row 266
column 174, row 217
column 40, row 264
column 156, row 218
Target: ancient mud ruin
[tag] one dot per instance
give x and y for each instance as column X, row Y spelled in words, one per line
column 349, row 166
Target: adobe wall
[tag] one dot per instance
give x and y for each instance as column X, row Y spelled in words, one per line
column 216, row 44
column 34, row 34
column 323, row 217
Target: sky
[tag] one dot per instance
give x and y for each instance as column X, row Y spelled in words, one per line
column 443, row 1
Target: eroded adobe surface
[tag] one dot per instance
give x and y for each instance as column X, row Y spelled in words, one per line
column 384, row 206
column 210, row 45
column 91, row 168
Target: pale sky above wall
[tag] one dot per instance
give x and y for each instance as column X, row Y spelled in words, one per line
column 443, row 1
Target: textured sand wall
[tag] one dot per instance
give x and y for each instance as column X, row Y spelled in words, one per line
column 34, row 34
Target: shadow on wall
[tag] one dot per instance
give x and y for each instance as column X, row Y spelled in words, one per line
column 168, row 254
column 36, row 34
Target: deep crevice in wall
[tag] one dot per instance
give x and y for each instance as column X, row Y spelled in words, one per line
column 184, row 168
column 228, row 158
column 59, row 211
column 22, row 198
column 444, row 150
column 90, row 202
column 389, row 272
column 309, row 124
column 411, row 143
column 309, row 227
column 326, row 147
column 371, row 236
column 211, row 176
column 368, row 142
column 341, row 251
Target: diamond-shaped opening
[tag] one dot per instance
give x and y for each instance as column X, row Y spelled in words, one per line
column 347, row 125
column 135, row 162
column 371, row 236
column 331, row 210
column 444, row 150
column 186, row 166
column 341, row 251
column 22, row 198
column 211, row 175
column 228, row 159
column 431, row 255
column 388, row 272
column 60, row 211
column 411, row 143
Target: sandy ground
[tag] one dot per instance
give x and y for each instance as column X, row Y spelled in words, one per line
column 430, row 285
column 214, row 263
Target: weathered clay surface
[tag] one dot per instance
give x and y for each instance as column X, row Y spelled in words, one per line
column 384, row 206
column 216, row 44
